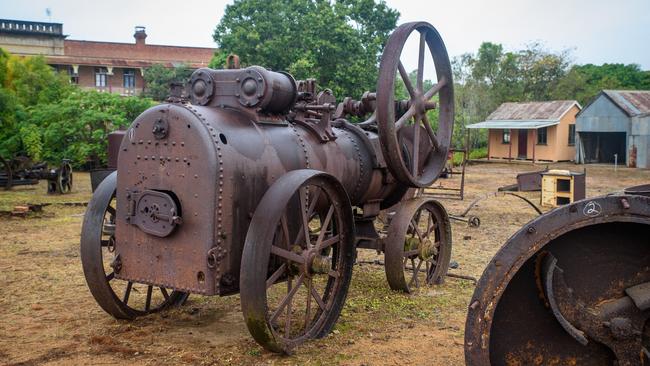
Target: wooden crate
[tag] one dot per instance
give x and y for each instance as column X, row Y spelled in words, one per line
column 561, row 187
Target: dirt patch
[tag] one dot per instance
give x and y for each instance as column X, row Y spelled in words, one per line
column 49, row 317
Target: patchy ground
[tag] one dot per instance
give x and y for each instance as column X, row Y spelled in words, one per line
column 47, row 315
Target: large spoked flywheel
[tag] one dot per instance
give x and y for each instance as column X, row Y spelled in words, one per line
column 415, row 133
column 571, row 288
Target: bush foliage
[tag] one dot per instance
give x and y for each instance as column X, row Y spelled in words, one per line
column 46, row 118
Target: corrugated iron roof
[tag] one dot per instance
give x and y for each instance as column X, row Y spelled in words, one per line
column 632, row 102
column 514, row 125
column 540, row 111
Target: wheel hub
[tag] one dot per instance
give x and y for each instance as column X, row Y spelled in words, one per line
column 427, row 249
column 320, row 264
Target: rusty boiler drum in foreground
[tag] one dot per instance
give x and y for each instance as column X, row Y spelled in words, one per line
column 259, row 185
column 572, row 287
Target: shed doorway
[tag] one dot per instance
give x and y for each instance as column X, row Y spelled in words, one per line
column 522, row 144
column 600, row 147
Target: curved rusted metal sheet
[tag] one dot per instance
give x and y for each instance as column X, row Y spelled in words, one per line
column 601, row 246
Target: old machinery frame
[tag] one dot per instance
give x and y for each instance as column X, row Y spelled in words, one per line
column 21, row 171
column 260, row 185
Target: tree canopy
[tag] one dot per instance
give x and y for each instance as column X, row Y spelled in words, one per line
column 493, row 76
column 158, row 78
column 336, row 42
column 46, row 118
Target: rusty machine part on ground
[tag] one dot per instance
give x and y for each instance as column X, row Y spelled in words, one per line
column 572, row 287
column 260, row 186
column 21, row 171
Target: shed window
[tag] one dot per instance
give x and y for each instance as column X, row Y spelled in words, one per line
column 541, row 136
column 101, row 75
column 572, row 135
column 505, row 139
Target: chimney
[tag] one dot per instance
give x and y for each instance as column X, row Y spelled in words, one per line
column 139, row 35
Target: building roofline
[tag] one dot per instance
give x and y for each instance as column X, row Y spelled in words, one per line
column 146, row 45
column 573, row 103
column 28, row 21
column 604, row 92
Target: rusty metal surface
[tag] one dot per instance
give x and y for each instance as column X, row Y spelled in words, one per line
column 114, row 141
column 420, row 163
column 419, row 233
column 552, row 110
column 182, row 163
column 562, row 280
column 294, row 258
column 20, row 171
column 97, row 244
column 530, row 181
column 192, row 178
column 642, row 190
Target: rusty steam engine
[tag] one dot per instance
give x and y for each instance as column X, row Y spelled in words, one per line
column 260, row 185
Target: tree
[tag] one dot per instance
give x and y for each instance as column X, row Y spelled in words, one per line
column 25, row 82
column 583, row 82
column 159, row 77
column 77, row 127
column 45, row 117
column 336, row 42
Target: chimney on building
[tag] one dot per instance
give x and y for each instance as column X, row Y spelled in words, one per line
column 140, row 35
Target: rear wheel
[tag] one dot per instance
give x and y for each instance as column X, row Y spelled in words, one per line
column 418, row 246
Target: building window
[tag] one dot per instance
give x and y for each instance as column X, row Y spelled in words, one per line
column 505, row 139
column 129, row 79
column 572, row 135
column 74, row 78
column 101, row 77
column 541, row 136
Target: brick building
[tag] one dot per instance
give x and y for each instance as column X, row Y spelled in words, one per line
column 103, row 66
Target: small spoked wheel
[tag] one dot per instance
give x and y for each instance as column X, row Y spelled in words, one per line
column 6, row 174
column 122, row 299
column 64, row 178
column 418, row 246
column 297, row 260
column 416, row 133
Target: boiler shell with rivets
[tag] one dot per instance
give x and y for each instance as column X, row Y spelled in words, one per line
column 215, row 164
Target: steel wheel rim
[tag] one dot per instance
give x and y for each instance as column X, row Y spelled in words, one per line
column 405, row 252
column 95, row 242
column 8, row 171
column 390, row 127
column 276, row 316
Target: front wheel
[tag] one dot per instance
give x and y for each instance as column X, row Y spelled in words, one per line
column 297, row 260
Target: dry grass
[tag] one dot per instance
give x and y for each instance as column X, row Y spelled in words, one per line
column 47, row 315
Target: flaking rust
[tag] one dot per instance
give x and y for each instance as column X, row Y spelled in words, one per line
column 571, row 295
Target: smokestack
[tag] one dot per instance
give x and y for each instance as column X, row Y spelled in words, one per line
column 140, row 35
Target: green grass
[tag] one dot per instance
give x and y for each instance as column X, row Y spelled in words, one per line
column 479, row 153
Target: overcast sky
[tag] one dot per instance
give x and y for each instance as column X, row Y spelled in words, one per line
column 599, row 31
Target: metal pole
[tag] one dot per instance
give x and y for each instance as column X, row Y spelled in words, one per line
column 615, row 162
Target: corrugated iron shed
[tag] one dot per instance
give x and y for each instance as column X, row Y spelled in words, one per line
column 632, row 102
column 549, row 111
